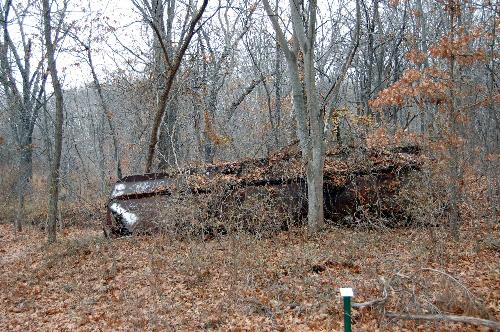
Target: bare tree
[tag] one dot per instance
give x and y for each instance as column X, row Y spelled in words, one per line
column 331, row 98
column 87, row 45
column 23, row 80
column 219, row 67
column 59, row 119
column 300, row 58
column 172, row 64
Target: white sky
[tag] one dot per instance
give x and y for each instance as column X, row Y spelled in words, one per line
column 122, row 15
column 130, row 32
column 115, row 13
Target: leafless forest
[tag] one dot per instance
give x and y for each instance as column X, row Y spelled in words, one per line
column 229, row 165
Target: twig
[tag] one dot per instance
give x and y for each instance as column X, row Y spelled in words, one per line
column 466, row 290
column 452, row 318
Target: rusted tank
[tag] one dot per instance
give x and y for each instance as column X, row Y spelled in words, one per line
column 255, row 194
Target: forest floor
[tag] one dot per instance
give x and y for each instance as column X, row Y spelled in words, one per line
column 237, row 282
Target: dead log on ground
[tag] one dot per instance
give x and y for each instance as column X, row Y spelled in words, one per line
column 449, row 318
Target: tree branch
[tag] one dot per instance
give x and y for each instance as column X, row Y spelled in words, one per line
column 450, row 318
column 160, row 112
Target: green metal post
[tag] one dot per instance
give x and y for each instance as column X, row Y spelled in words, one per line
column 347, row 314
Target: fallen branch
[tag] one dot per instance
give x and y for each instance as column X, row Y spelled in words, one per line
column 466, row 290
column 451, row 318
column 375, row 302
column 372, row 303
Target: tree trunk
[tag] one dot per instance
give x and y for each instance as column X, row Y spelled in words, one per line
column 278, row 65
column 316, row 159
column 101, row 154
column 58, row 126
column 308, row 114
column 168, row 143
column 23, row 182
column 25, row 164
column 208, row 129
column 170, row 76
column 493, row 166
column 277, row 86
column 454, row 162
column 23, row 91
column 422, row 34
column 315, row 211
column 107, row 114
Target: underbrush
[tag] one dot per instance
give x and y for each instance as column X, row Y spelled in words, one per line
column 419, row 200
column 71, row 213
column 79, row 202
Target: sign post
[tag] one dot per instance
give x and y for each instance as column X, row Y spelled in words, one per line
column 347, row 294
